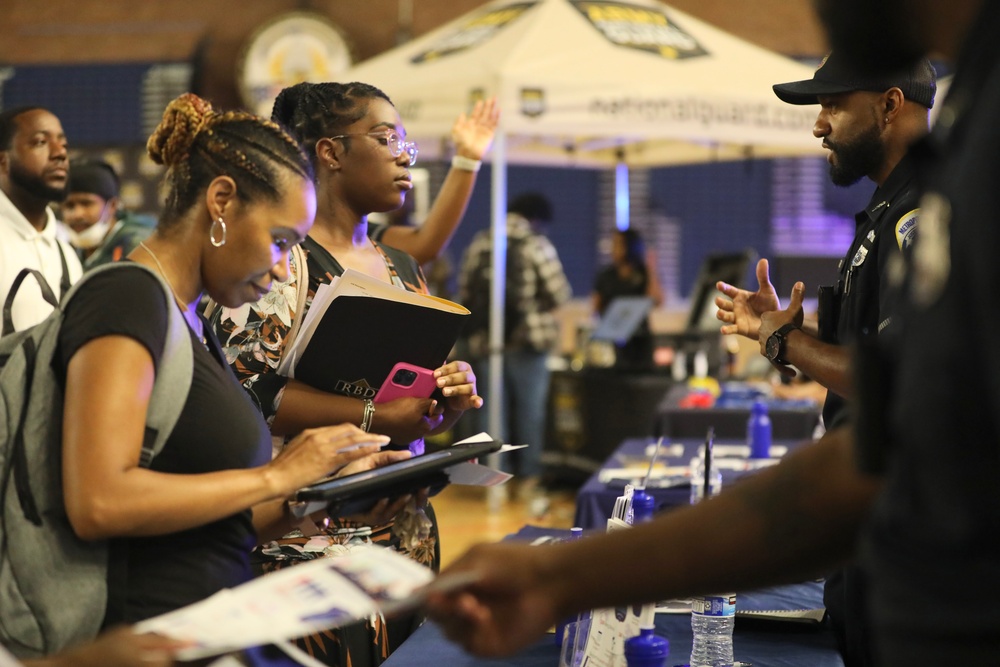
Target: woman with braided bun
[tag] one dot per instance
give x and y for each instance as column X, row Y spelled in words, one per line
column 239, row 194
column 356, row 142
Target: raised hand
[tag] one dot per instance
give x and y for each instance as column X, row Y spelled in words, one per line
column 741, row 312
column 473, row 133
column 316, row 453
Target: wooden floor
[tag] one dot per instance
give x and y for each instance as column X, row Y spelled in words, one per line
column 465, row 519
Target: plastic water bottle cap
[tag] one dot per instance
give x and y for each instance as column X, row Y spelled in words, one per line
column 643, row 506
column 646, row 646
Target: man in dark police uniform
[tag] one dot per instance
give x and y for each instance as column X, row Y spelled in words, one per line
column 928, row 520
column 868, row 123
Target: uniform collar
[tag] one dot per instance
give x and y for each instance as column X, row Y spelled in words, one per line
column 12, row 216
column 899, row 179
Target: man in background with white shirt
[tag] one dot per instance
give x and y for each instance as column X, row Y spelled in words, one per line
column 34, row 171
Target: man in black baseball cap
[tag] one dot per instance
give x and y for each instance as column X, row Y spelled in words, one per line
column 917, row 83
column 867, row 121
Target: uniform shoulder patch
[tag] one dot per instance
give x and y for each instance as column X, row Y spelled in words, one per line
column 906, row 228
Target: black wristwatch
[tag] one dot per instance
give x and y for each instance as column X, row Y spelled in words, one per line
column 774, row 347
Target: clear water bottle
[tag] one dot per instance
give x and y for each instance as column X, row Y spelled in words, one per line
column 759, row 431
column 712, row 616
column 698, row 478
column 646, row 649
column 712, row 621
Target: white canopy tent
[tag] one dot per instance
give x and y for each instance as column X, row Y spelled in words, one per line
column 589, row 83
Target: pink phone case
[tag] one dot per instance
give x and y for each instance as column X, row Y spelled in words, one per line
column 406, row 380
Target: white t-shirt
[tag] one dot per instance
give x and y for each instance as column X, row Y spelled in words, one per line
column 7, row 660
column 23, row 246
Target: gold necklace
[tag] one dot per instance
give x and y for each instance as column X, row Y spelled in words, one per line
column 199, row 329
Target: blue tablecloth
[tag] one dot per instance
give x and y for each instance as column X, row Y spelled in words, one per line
column 595, row 500
column 762, row 643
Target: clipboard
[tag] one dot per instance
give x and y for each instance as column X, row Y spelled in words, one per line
column 357, row 493
column 622, row 318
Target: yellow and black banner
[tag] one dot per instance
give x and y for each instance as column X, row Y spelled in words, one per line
column 474, row 32
column 638, row 27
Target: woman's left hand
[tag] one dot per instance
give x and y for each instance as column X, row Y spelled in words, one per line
column 386, row 509
column 457, row 382
column 473, row 133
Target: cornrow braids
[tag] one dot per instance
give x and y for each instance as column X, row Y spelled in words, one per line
column 312, row 111
column 197, row 144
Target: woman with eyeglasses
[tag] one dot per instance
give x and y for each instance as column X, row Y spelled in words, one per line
column 356, row 141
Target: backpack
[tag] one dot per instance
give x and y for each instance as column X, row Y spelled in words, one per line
column 53, row 586
column 479, row 290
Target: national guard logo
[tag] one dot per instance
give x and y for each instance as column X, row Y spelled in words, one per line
column 906, row 229
column 932, row 251
column 532, row 102
column 643, row 28
column 473, row 32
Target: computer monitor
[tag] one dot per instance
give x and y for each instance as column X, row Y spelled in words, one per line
column 729, row 268
column 622, row 319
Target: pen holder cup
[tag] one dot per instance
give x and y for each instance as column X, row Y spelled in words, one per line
column 574, row 643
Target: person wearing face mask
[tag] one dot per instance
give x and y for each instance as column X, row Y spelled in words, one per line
column 93, row 219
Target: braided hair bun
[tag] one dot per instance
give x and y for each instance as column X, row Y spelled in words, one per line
column 172, row 139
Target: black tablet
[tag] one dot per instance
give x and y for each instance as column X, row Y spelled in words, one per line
column 355, row 494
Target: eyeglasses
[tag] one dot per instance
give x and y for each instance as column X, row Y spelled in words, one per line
column 396, row 145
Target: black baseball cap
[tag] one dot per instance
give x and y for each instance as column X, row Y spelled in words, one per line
column 834, row 76
column 93, row 177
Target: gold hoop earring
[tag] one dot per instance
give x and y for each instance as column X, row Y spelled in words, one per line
column 211, row 232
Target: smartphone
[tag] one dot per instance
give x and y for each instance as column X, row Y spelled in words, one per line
column 406, row 380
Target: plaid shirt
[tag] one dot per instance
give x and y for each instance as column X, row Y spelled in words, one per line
column 543, row 287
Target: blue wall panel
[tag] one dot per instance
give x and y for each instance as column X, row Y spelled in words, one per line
column 97, row 104
column 722, row 207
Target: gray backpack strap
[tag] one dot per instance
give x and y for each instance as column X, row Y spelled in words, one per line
column 173, row 375
column 173, row 379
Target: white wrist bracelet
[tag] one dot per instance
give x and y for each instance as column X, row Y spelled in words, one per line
column 466, row 163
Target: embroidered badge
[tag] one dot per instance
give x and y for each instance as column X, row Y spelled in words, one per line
column 906, row 229
column 932, row 251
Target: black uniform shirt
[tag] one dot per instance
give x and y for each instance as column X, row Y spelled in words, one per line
column 884, row 228
column 933, row 545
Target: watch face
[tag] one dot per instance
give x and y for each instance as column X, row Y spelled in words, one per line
column 772, row 348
